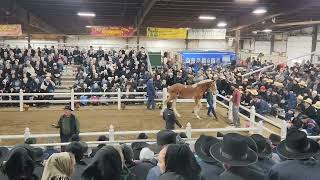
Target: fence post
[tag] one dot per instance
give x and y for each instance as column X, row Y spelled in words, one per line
column 260, row 128
column 21, row 100
column 283, row 132
column 119, row 99
column 27, row 133
column 72, row 98
column 111, row 133
column 164, row 96
column 252, row 118
column 230, row 117
column 188, row 130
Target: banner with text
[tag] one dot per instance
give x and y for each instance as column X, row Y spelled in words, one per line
column 207, row 34
column 167, row 33
column 10, row 30
column 112, row 31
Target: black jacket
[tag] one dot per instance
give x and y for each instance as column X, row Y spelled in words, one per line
column 170, row 118
column 210, row 171
column 79, row 168
column 242, row 173
column 141, row 169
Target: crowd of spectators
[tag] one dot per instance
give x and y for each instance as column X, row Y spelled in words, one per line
column 290, row 93
column 235, row 157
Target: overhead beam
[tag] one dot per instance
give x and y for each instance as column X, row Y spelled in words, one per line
column 297, row 24
column 34, row 21
column 143, row 12
column 250, row 19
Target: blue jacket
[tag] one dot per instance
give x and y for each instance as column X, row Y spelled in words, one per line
column 292, row 101
column 151, row 92
column 262, row 107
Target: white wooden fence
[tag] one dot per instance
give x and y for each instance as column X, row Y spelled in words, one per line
column 254, row 127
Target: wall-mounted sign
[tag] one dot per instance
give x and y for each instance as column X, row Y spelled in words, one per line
column 111, row 31
column 167, row 33
column 10, row 30
column 207, row 34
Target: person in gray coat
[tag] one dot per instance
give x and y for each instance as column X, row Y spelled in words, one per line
column 237, row 158
column 299, row 150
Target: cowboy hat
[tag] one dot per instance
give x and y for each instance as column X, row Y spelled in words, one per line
column 303, row 83
column 245, row 80
column 297, row 146
column 269, row 81
column 234, row 151
column 164, row 137
column 300, row 97
column 309, row 101
column 39, row 155
column 254, row 92
column 202, row 147
column 48, row 75
column 278, row 84
column 317, row 105
column 263, row 147
column 275, row 139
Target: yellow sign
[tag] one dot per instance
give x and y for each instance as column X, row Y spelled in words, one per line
column 10, row 30
column 167, row 33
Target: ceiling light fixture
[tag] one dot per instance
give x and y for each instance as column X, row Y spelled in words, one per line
column 86, row 14
column 254, row 32
column 267, row 30
column 245, row 1
column 259, row 11
column 207, row 17
column 89, row 26
column 222, row 24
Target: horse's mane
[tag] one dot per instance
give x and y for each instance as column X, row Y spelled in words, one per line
column 204, row 82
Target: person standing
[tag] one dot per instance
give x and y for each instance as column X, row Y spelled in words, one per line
column 236, row 98
column 68, row 124
column 151, row 93
column 211, row 110
column 170, row 117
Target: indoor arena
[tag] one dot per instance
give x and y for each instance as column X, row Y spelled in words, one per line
column 159, row 90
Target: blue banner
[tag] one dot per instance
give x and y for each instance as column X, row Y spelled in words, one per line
column 207, row 58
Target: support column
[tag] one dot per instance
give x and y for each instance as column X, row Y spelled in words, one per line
column 272, row 44
column 138, row 38
column 187, row 44
column 28, row 30
column 237, row 43
column 314, row 40
column 127, row 43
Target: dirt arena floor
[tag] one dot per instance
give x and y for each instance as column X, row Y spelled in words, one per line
column 99, row 118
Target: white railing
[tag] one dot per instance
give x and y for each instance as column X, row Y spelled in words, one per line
column 254, row 127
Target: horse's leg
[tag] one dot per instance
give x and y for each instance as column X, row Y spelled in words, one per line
column 196, row 108
column 174, row 105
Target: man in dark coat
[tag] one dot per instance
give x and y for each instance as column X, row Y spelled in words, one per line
column 211, row 110
column 310, row 111
column 299, row 150
column 237, row 158
column 211, row 168
column 68, row 125
column 170, row 118
column 151, row 93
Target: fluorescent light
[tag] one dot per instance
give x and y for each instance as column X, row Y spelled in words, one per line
column 222, row 24
column 267, row 30
column 254, row 32
column 260, row 11
column 245, row 1
column 89, row 26
column 87, row 14
column 207, row 17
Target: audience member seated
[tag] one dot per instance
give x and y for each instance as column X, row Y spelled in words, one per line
column 59, row 166
column 138, row 146
column 211, row 168
column 299, row 150
column 96, row 149
column 106, row 164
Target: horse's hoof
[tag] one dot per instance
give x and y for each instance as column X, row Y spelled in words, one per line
column 178, row 115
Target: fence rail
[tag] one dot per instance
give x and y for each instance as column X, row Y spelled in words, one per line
column 254, row 127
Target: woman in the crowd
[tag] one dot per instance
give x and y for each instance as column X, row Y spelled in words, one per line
column 60, row 166
column 105, row 165
column 20, row 164
column 179, row 163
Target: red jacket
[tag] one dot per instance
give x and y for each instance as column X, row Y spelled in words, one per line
column 236, row 97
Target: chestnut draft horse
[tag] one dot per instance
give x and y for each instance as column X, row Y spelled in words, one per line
column 194, row 91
